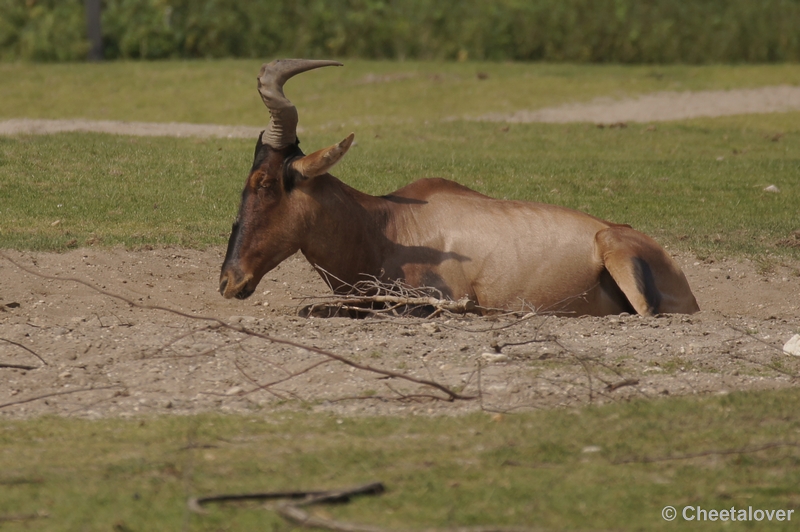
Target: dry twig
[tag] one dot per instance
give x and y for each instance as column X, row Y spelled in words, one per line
column 620, row 384
column 195, row 504
column 294, row 512
column 53, row 394
column 16, row 366
column 26, row 349
column 449, row 394
column 376, row 297
column 711, row 452
column 772, row 366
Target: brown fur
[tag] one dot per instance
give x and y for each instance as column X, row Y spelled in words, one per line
column 502, row 254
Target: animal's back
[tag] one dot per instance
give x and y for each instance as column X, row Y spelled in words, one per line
column 517, row 254
column 502, row 253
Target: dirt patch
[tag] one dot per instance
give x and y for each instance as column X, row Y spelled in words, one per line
column 160, row 362
column 655, row 107
column 663, row 106
column 138, row 361
column 30, row 126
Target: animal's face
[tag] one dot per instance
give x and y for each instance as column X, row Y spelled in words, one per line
column 268, row 228
column 265, row 231
column 272, row 223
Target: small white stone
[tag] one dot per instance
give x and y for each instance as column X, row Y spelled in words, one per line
column 792, row 347
column 430, row 328
column 494, row 357
column 591, row 449
column 772, row 188
column 236, row 390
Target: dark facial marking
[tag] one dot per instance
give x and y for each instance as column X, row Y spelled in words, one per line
column 260, row 155
column 235, row 240
column 267, row 161
column 290, row 175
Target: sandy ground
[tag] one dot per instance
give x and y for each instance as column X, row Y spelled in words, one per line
column 661, row 106
column 66, row 349
column 664, row 106
column 74, row 338
column 28, row 126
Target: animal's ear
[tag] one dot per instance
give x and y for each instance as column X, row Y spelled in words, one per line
column 323, row 160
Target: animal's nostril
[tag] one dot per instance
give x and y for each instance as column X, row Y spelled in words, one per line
column 222, row 285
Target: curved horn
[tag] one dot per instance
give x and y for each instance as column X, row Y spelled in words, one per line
column 283, row 122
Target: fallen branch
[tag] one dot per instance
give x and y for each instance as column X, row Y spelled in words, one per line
column 711, row 452
column 358, row 303
column 772, row 366
column 195, row 504
column 620, row 384
column 31, row 351
column 377, row 297
column 53, row 394
column 300, row 517
column 450, row 395
column 294, row 513
column 15, row 366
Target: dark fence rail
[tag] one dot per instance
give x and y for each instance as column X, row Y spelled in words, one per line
column 620, row 31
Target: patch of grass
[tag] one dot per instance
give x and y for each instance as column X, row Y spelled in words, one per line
column 694, row 185
column 669, row 182
column 65, row 190
column 358, row 94
column 675, row 364
column 528, row 469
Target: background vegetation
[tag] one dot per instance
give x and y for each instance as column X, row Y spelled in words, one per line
column 622, row 31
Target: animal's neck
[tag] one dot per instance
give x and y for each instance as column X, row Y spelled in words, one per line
column 347, row 234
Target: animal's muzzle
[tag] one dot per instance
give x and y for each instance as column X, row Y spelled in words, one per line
column 233, row 285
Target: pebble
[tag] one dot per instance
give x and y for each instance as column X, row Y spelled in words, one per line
column 494, row 357
column 792, row 347
column 430, row 328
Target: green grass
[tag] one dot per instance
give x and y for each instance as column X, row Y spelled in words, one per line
column 145, row 191
column 117, row 190
column 669, row 182
column 361, row 92
column 528, row 469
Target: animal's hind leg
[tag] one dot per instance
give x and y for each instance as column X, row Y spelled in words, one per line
column 646, row 274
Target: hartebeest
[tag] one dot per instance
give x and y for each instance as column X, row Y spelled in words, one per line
column 434, row 233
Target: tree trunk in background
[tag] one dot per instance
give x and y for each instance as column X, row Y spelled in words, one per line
column 94, row 30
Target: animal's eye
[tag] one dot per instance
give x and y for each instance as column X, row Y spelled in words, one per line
column 268, row 187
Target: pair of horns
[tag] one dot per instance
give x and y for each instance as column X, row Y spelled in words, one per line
column 282, row 130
